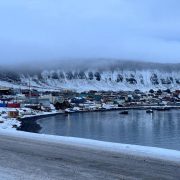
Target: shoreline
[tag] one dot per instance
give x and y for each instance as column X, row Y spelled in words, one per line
column 29, row 123
column 155, row 108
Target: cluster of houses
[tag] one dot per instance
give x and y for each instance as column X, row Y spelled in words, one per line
column 101, row 100
column 69, row 101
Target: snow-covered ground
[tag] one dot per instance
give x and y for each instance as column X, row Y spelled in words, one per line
column 12, row 123
column 136, row 150
column 7, row 123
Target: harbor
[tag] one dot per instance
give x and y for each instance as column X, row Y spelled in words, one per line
column 157, row 129
column 18, row 104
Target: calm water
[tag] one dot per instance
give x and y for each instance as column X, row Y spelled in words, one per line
column 161, row 129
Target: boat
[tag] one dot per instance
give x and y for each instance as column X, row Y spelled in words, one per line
column 69, row 110
column 124, row 112
column 149, row 111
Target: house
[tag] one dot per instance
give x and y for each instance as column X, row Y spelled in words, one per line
column 5, row 91
column 13, row 105
column 36, row 101
column 56, row 99
column 89, row 106
column 13, row 114
column 78, row 100
column 30, row 93
column 45, row 102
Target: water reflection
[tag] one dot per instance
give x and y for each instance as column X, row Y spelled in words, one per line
column 160, row 129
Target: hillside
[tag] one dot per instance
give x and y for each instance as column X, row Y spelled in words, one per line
column 115, row 76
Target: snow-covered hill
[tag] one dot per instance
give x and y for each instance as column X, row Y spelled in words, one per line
column 105, row 80
column 113, row 78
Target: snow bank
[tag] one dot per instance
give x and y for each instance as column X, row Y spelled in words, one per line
column 141, row 151
column 8, row 124
column 11, row 123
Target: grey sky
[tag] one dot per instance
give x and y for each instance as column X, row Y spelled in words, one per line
column 32, row 30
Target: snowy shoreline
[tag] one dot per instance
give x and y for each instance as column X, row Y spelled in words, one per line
column 29, row 123
column 127, row 149
column 13, row 123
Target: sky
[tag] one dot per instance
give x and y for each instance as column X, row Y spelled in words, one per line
column 54, row 30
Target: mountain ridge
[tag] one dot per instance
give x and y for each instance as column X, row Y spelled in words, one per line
column 115, row 76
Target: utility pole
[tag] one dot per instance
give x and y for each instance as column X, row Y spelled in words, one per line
column 29, row 89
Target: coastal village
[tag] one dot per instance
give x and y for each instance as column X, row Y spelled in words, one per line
column 16, row 104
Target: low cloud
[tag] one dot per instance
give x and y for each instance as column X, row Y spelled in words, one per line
column 51, row 30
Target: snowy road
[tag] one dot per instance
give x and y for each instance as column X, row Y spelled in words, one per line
column 34, row 159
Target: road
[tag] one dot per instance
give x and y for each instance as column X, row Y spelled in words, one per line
column 34, row 159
